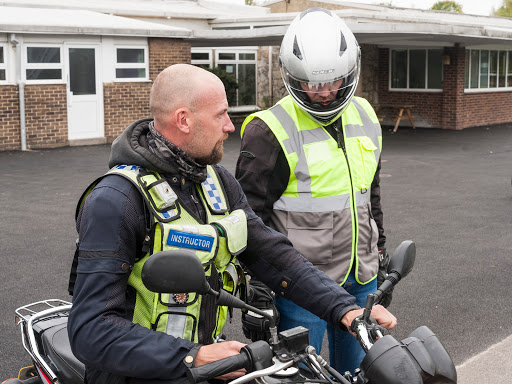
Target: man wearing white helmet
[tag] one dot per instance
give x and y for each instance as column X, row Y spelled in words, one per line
column 310, row 165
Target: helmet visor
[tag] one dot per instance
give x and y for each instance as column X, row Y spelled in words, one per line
column 322, row 97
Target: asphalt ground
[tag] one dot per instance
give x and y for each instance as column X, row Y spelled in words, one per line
column 449, row 191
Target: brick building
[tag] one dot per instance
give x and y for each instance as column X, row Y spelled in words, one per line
column 76, row 76
column 456, row 69
column 79, row 74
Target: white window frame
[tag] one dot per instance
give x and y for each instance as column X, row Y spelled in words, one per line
column 407, row 89
column 27, row 65
column 208, row 62
column 236, row 61
column 144, row 65
column 214, row 61
column 3, row 65
column 497, row 88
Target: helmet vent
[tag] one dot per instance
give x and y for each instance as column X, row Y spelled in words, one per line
column 343, row 44
column 314, row 9
column 296, row 49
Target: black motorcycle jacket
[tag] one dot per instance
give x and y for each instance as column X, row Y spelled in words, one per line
column 112, row 225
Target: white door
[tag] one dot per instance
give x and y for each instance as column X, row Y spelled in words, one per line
column 85, row 93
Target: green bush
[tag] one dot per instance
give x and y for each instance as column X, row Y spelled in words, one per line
column 229, row 81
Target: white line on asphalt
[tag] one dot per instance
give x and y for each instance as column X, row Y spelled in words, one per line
column 494, row 365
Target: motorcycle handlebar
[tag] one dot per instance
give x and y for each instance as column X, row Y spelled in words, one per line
column 219, row 367
column 254, row 356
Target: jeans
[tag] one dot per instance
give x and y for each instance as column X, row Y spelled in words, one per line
column 345, row 353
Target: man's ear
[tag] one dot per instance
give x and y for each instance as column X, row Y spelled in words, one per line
column 183, row 119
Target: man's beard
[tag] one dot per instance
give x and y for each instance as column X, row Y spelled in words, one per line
column 214, row 157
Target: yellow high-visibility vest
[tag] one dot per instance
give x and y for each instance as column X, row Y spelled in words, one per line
column 325, row 210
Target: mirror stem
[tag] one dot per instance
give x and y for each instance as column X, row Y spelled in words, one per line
column 226, row 299
column 370, row 300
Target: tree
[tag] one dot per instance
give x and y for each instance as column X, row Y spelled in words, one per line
column 450, row 6
column 229, row 81
column 505, row 10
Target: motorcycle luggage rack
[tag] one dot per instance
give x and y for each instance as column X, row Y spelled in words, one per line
column 27, row 316
column 27, row 311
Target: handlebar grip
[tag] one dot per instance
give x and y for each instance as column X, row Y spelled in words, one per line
column 219, row 367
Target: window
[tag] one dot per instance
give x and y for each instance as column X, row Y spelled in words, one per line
column 488, row 69
column 416, row 69
column 43, row 63
column 484, row 68
column 2, row 62
column 243, row 65
column 131, row 63
column 202, row 58
column 509, row 69
column 239, row 62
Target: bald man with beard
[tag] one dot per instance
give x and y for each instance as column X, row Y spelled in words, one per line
column 114, row 327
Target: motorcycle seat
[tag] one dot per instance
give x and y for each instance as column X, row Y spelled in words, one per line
column 55, row 342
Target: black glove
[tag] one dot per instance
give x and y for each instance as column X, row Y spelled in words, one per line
column 255, row 326
column 381, row 276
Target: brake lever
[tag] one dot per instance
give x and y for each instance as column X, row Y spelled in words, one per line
column 367, row 331
column 360, row 328
column 377, row 331
column 278, row 366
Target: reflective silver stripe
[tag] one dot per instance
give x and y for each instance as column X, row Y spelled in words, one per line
column 369, row 128
column 231, row 270
column 295, row 144
column 362, row 197
column 321, row 204
column 308, row 203
column 176, row 323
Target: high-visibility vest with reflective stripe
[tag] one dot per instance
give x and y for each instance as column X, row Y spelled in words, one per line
column 216, row 244
column 325, row 210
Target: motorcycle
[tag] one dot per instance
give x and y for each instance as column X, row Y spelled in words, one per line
column 286, row 358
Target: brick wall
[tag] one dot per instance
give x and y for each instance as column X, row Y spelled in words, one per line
column 369, row 77
column 127, row 102
column 453, row 108
column 164, row 52
column 266, row 96
column 9, row 118
column 124, row 103
column 428, row 106
column 46, row 105
column 46, row 116
column 453, row 89
column 486, row 109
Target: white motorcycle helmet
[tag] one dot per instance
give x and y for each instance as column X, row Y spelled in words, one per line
column 320, row 54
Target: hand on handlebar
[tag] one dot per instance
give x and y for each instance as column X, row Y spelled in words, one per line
column 217, row 351
column 255, row 326
column 379, row 313
column 383, row 317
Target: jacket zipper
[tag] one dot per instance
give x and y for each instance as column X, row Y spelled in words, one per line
column 199, row 206
column 208, row 310
column 341, row 144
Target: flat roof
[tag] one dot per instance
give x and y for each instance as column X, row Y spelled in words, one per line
column 67, row 21
column 188, row 9
column 239, row 25
column 381, row 25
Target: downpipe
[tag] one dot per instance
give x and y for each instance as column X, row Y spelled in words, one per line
column 21, row 91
